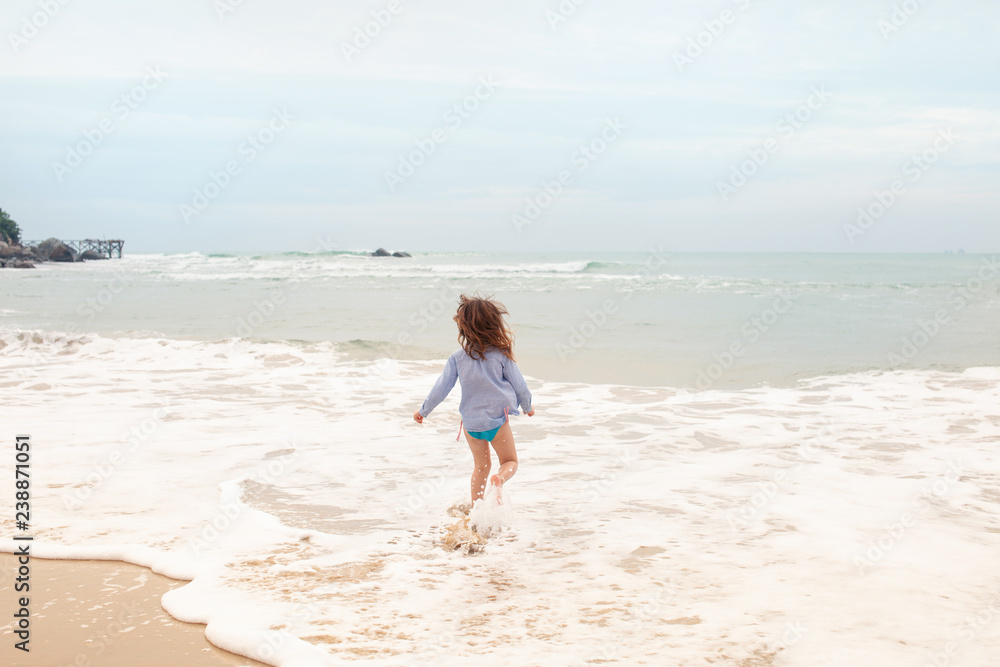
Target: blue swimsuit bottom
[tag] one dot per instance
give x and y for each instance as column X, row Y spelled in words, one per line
column 485, row 435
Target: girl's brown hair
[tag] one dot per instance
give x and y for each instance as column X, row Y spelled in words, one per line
column 481, row 325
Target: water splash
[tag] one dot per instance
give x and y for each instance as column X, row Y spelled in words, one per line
column 493, row 513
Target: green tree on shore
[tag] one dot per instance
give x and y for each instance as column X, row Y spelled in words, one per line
column 9, row 231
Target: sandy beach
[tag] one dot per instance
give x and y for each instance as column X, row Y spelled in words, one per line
column 104, row 613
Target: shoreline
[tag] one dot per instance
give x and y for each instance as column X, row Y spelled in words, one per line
column 712, row 377
column 108, row 613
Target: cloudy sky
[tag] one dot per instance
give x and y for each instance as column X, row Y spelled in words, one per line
column 247, row 125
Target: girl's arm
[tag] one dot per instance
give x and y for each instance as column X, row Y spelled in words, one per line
column 512, row 374
column 441, row 388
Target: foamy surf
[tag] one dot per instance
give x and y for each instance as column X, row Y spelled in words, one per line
column 815, row 523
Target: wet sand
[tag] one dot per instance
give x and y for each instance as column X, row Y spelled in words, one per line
column 86, row 613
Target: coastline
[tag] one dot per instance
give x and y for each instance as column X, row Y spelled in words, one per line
column 18, row 255
column 90, row 612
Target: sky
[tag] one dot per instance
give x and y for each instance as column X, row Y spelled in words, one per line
column 440, row 125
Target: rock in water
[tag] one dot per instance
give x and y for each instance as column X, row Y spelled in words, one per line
column 92, row 254
column 62, row 253
column 382, row 252
column 54, row 250
column 46, row 246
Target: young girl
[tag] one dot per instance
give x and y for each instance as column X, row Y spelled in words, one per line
column 492, row 388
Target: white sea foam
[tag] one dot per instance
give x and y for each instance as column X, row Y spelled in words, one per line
column 848, row 520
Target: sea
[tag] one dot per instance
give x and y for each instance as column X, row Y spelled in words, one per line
column 736, row 459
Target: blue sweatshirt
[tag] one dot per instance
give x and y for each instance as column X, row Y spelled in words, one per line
column 488, row 386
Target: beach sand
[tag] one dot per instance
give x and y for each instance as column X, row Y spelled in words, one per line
column 107, row 613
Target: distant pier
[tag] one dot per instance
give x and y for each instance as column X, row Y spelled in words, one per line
column 109, row 248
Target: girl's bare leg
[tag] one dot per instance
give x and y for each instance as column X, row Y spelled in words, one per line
column 503, row 445
column 481, row 461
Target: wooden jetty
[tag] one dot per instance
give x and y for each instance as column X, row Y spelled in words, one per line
column 108, row 247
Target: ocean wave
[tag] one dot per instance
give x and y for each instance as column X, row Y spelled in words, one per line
column 316, row 253
column 49, row 347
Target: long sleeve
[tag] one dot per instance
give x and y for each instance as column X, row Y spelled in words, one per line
column 512, row 374
column 441, row 388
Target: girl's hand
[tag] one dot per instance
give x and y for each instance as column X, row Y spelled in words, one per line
column 531, row 412
column 417, row 417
